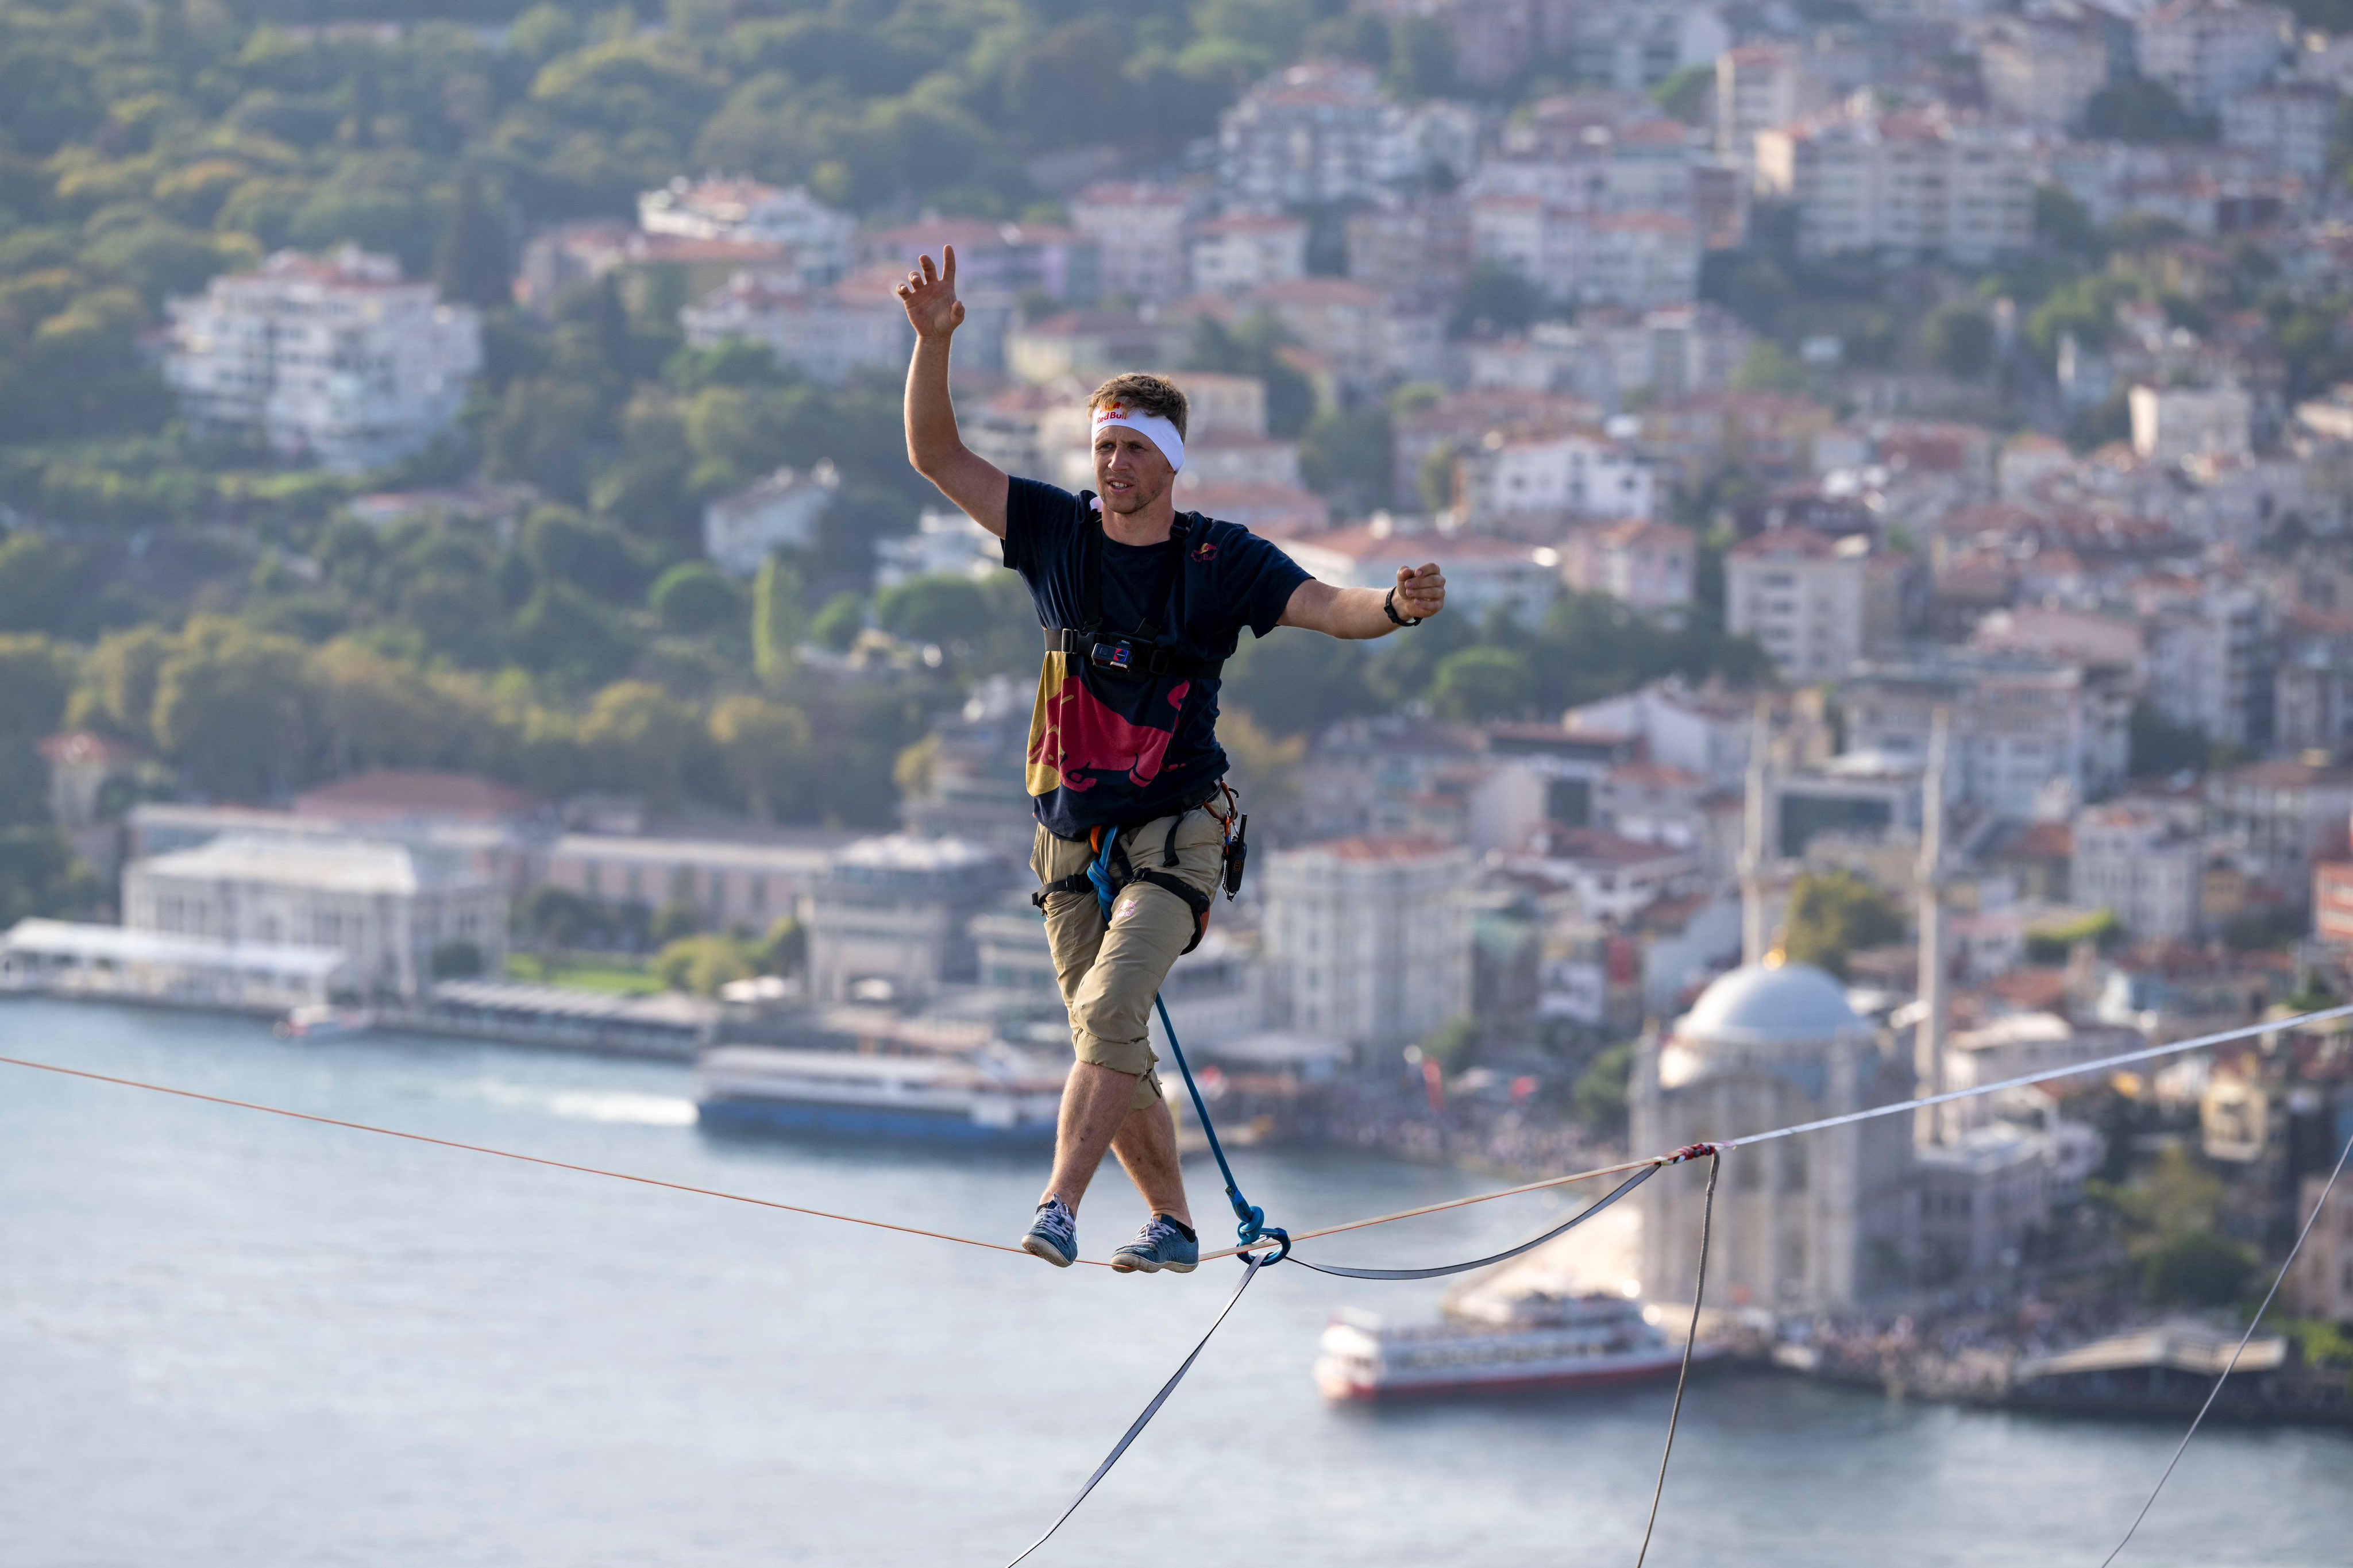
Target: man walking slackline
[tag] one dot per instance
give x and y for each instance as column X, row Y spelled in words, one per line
column 1141, row 605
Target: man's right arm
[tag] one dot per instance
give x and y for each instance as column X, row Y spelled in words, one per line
column 934, row 446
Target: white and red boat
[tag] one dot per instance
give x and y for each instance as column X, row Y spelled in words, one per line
column 1492, row 1345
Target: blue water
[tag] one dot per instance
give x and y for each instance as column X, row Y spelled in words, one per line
column 233, row 1341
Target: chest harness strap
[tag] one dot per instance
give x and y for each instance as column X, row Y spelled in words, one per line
column 1141, row 652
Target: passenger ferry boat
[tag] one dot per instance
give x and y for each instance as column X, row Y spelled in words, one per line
column 1494, row 1345
column 321, row 1021
column 991, row 1097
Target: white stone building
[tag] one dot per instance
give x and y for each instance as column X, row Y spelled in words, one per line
column 730, row 884
column 723, row 207
column 2174, row 423
column 1648, row 564
column 1570, row 473
column 385, row 906
column 329, row 358
column 1807, row 599
column 1366, row 939
column 828, row 333
column 1139, row 235
column 741, row 531
column 1908, row 183
column 2144, row 862
column 2044, row 70
column 1242, row 251
column 1316, row 132
column 890, row 918
column 2290, row 125
column 1801, row 1224
column 1759, row 86
column 2207, row 52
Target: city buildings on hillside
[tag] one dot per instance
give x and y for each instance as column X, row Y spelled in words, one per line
column 332, row 359
column 1318, row 132
column 1368, row 938
column 2207, row 52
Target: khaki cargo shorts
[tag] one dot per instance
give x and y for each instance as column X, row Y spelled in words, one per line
column 1110, row 976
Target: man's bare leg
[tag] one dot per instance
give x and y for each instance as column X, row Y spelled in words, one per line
column 1147, row 1145
column 1094, row 1106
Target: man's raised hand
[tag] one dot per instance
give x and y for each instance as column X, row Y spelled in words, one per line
column 1420, row 591
column 929, row 293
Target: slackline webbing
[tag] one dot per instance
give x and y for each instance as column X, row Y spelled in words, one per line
column 2327, row 1187
column 1620, row 1191
column 510, row 1154
column 1683, row 1375
column 1896, row 1108
column 1251, row 1267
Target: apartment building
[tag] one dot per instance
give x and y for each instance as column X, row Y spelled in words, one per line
column 2044, row 70
column 1907, row 182
column 1139, row 236
column 333, row 359
column 828, row 333
column 1368, row 938
column 891, row 918
column 2207, row 52
column 2290, row 126
column 1648, row 564
column 744, row 210
column 1571, row 473
column 2033, row 738
column 2175, row 424
column 1816, row 605
column 1317, row 132
column 1760, row 86
column 2145, row 861
column 731, row 885
column 1242, row 251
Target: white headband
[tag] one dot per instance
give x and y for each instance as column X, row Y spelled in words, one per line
column 1150, row 426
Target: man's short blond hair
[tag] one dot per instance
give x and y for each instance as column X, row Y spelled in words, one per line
column 1144, row 393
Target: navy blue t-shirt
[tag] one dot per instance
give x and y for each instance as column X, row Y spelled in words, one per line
column 1118, row 750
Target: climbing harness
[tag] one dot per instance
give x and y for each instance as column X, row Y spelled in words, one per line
column 1105, row 875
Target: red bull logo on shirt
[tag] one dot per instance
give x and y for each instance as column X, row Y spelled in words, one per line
column 1075, row 736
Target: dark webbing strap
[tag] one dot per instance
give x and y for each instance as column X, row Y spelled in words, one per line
column 1620, row 1191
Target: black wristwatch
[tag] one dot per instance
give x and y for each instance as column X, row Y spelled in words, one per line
column 1389, row 608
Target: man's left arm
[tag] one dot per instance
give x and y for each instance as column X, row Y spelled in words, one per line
column 1356, row 613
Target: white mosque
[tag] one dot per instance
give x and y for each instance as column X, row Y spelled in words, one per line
column 1803, row 1224
column 1820, row 1222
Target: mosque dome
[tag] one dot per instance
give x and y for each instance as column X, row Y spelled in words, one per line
column 1777, row 1004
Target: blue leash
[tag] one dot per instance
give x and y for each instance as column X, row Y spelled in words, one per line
column 1250, row 1219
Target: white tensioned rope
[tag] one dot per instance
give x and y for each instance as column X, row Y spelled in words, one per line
column 2046, row 1075
column 2102, row 1064
column 2211, row 1393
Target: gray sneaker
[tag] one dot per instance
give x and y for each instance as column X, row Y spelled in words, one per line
column 1053, row 1234
column 1161, row 1244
